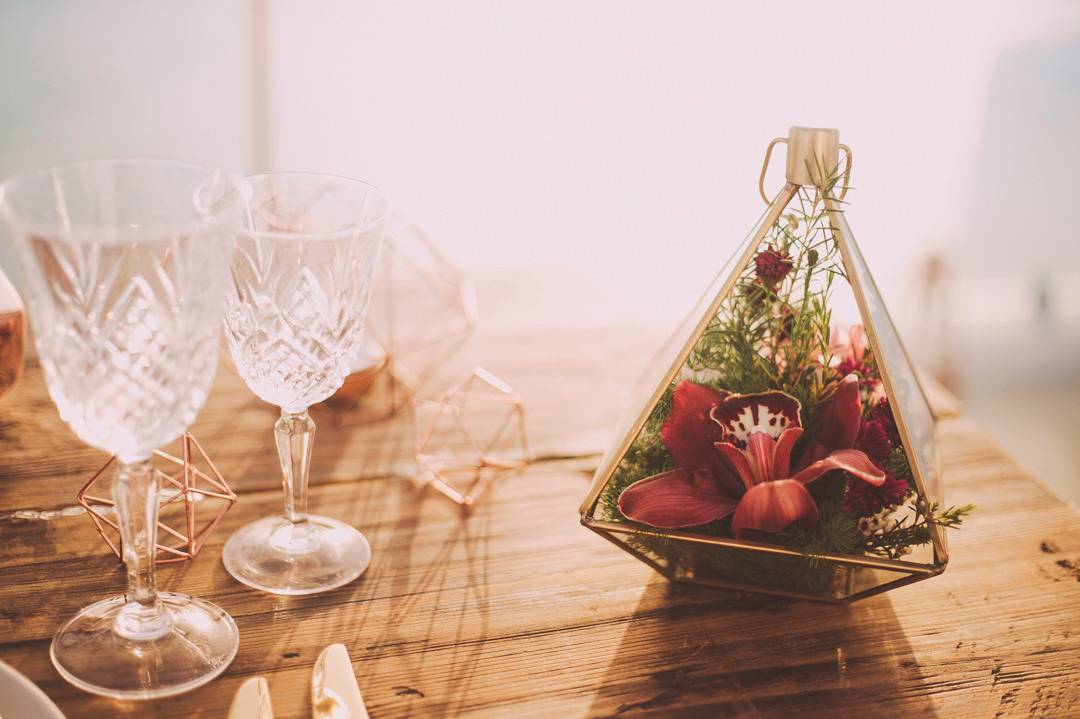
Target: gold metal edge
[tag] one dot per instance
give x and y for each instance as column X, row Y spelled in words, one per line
column 842, row 232
column 888, row 586
column 647, row 560
column 870, row 562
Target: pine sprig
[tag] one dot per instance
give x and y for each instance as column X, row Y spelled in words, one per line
column 915, row 529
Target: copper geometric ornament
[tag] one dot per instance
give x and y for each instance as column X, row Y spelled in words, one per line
column 181, row 491
column 470, row 435
column 423, row 309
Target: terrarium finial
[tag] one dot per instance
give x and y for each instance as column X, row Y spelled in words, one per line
column 813, row 156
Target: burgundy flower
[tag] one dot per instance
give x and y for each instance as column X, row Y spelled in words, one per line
column 865, row 500
column 882, row 412
column 772, row 265
column 874, row 440
column 735, row 456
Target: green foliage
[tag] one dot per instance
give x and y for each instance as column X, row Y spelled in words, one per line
column 897, row 465
column 914, row 529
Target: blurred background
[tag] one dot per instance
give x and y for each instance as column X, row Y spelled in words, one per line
column 609, row 150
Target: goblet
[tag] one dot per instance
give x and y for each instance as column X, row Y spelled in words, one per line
column 125, row 265
column 294, row 322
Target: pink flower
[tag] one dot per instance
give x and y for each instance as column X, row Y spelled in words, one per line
column 735, row 456
column 851, row 356
column 854, row 349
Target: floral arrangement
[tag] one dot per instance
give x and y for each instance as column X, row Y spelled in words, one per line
column 778, row 429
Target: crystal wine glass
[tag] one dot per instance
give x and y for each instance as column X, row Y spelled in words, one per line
column 294, row 321
column 125, row 265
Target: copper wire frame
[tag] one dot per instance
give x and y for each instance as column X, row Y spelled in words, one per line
column 465, row 477
column 380, row 392
column 913, row 571
column 181, row 546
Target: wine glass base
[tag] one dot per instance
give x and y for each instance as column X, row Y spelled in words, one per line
column 272, row 556
column 199, row 645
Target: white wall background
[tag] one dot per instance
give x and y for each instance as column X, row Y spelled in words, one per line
column 84, row 80
column 620, row 142
column 608, row 142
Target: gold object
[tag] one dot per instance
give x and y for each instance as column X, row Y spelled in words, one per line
column 807, row 151
column 470, row 435
column 182, row 490
column 813, row 169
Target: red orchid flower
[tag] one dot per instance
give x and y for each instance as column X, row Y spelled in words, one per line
column 735, row 456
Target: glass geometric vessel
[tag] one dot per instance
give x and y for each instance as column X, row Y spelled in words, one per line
column 783, row 443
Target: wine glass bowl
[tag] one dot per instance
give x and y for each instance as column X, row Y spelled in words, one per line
column 125, row 266
column 294, row 320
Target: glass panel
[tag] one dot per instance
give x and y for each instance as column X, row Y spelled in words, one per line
column 745, row 569
column 823, row 580
column 906, row 393
column 652, row 550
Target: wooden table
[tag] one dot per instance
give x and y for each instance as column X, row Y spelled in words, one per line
column 519, row 611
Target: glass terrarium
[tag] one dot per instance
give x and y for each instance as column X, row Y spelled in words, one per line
column 786, row 445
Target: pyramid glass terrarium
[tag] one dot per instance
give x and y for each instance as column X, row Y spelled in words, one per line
column 785, row 444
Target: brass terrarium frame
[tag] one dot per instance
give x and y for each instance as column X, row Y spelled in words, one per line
column 809, row 151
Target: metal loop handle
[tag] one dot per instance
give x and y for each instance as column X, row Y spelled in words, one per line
column 768, row 156
column 847, row 171
column 765, row 166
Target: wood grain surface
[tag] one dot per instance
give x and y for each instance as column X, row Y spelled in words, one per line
column 518, row 611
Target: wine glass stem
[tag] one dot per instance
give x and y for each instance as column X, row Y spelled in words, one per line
column 295, row 433
column 136, row 496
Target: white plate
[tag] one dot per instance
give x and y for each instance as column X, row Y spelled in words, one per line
column 19, row 697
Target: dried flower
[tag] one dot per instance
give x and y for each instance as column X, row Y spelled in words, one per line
column 772, row 265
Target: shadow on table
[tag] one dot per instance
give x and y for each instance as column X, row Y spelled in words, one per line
column 693, row 651
column 447, row 593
